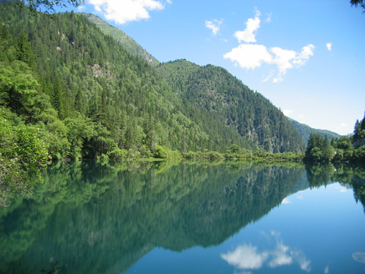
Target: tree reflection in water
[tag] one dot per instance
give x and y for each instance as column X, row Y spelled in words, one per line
column 95, row 219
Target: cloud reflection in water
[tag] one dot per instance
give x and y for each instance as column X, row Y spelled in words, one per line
column 247, row 257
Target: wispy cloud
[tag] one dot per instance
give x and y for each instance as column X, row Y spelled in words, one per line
column 329, row 46
column 247, row 257
column 288, row 59
column 268, row 18
column 122, row 12
column 249, row 34
column 214, row 25
column 326, row 270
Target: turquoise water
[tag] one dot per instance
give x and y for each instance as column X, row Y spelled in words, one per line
column 186, row 218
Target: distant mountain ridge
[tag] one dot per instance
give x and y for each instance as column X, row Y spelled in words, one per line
column 126, row 41
column 305, row 131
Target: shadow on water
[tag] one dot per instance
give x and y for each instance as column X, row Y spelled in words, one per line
column 95, row 219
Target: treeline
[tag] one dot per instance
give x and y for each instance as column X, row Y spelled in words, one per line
column 343, row 149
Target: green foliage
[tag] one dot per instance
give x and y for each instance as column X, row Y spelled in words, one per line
column 23, row 152
column 358, row 3
column 232, row 107
column 359, row 130
column 82, row 80
column 48, row 5
column 319, row 149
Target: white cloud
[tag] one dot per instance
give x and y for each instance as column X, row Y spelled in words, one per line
column 329, row 46
column 303, row 262
column 249, row 56
column 300, row 197
column 214, row 25
column 249, row 34
column 287, row 112
column 282, row 60
column 343, row 125
column 280, row 255
column 125, row 11
column 302, row 58
column 286, row 201
column 343, row 190
column 326, row 270
column 245, row 257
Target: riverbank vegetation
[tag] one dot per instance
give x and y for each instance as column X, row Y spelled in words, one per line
column 343, row 149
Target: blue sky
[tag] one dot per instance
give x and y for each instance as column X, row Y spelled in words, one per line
column 307, row 56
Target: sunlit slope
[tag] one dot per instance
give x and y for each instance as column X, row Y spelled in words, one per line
column 215, row 91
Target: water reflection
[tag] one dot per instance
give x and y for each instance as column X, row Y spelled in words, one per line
column 359, row 257
column 94, row 219
column 349, row 175
column 247, row 257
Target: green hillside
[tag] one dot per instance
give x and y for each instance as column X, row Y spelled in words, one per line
column 305, row 131
column 90, row 97
column 215, row 91
column 127, row 42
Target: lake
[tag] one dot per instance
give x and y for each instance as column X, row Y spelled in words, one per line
column 167, row 217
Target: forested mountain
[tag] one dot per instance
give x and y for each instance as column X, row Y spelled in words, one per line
column 127, row 42
column 305, row 131
column 88, row 96
column 215, row 91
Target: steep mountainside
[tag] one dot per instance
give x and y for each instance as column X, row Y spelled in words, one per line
column 215, row 91
column 305, row 131
column 127, row 42
column 93, row 97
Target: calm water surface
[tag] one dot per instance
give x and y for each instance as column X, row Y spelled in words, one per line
column 187, row 218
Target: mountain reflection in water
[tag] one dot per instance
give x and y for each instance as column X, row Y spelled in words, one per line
column 94, row 219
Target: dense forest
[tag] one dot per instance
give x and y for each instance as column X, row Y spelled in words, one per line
column 123, row 39
column 90, row 96
column 215, row 91
column 342, row 149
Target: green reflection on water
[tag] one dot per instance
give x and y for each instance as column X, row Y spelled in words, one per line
column 94, row 219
